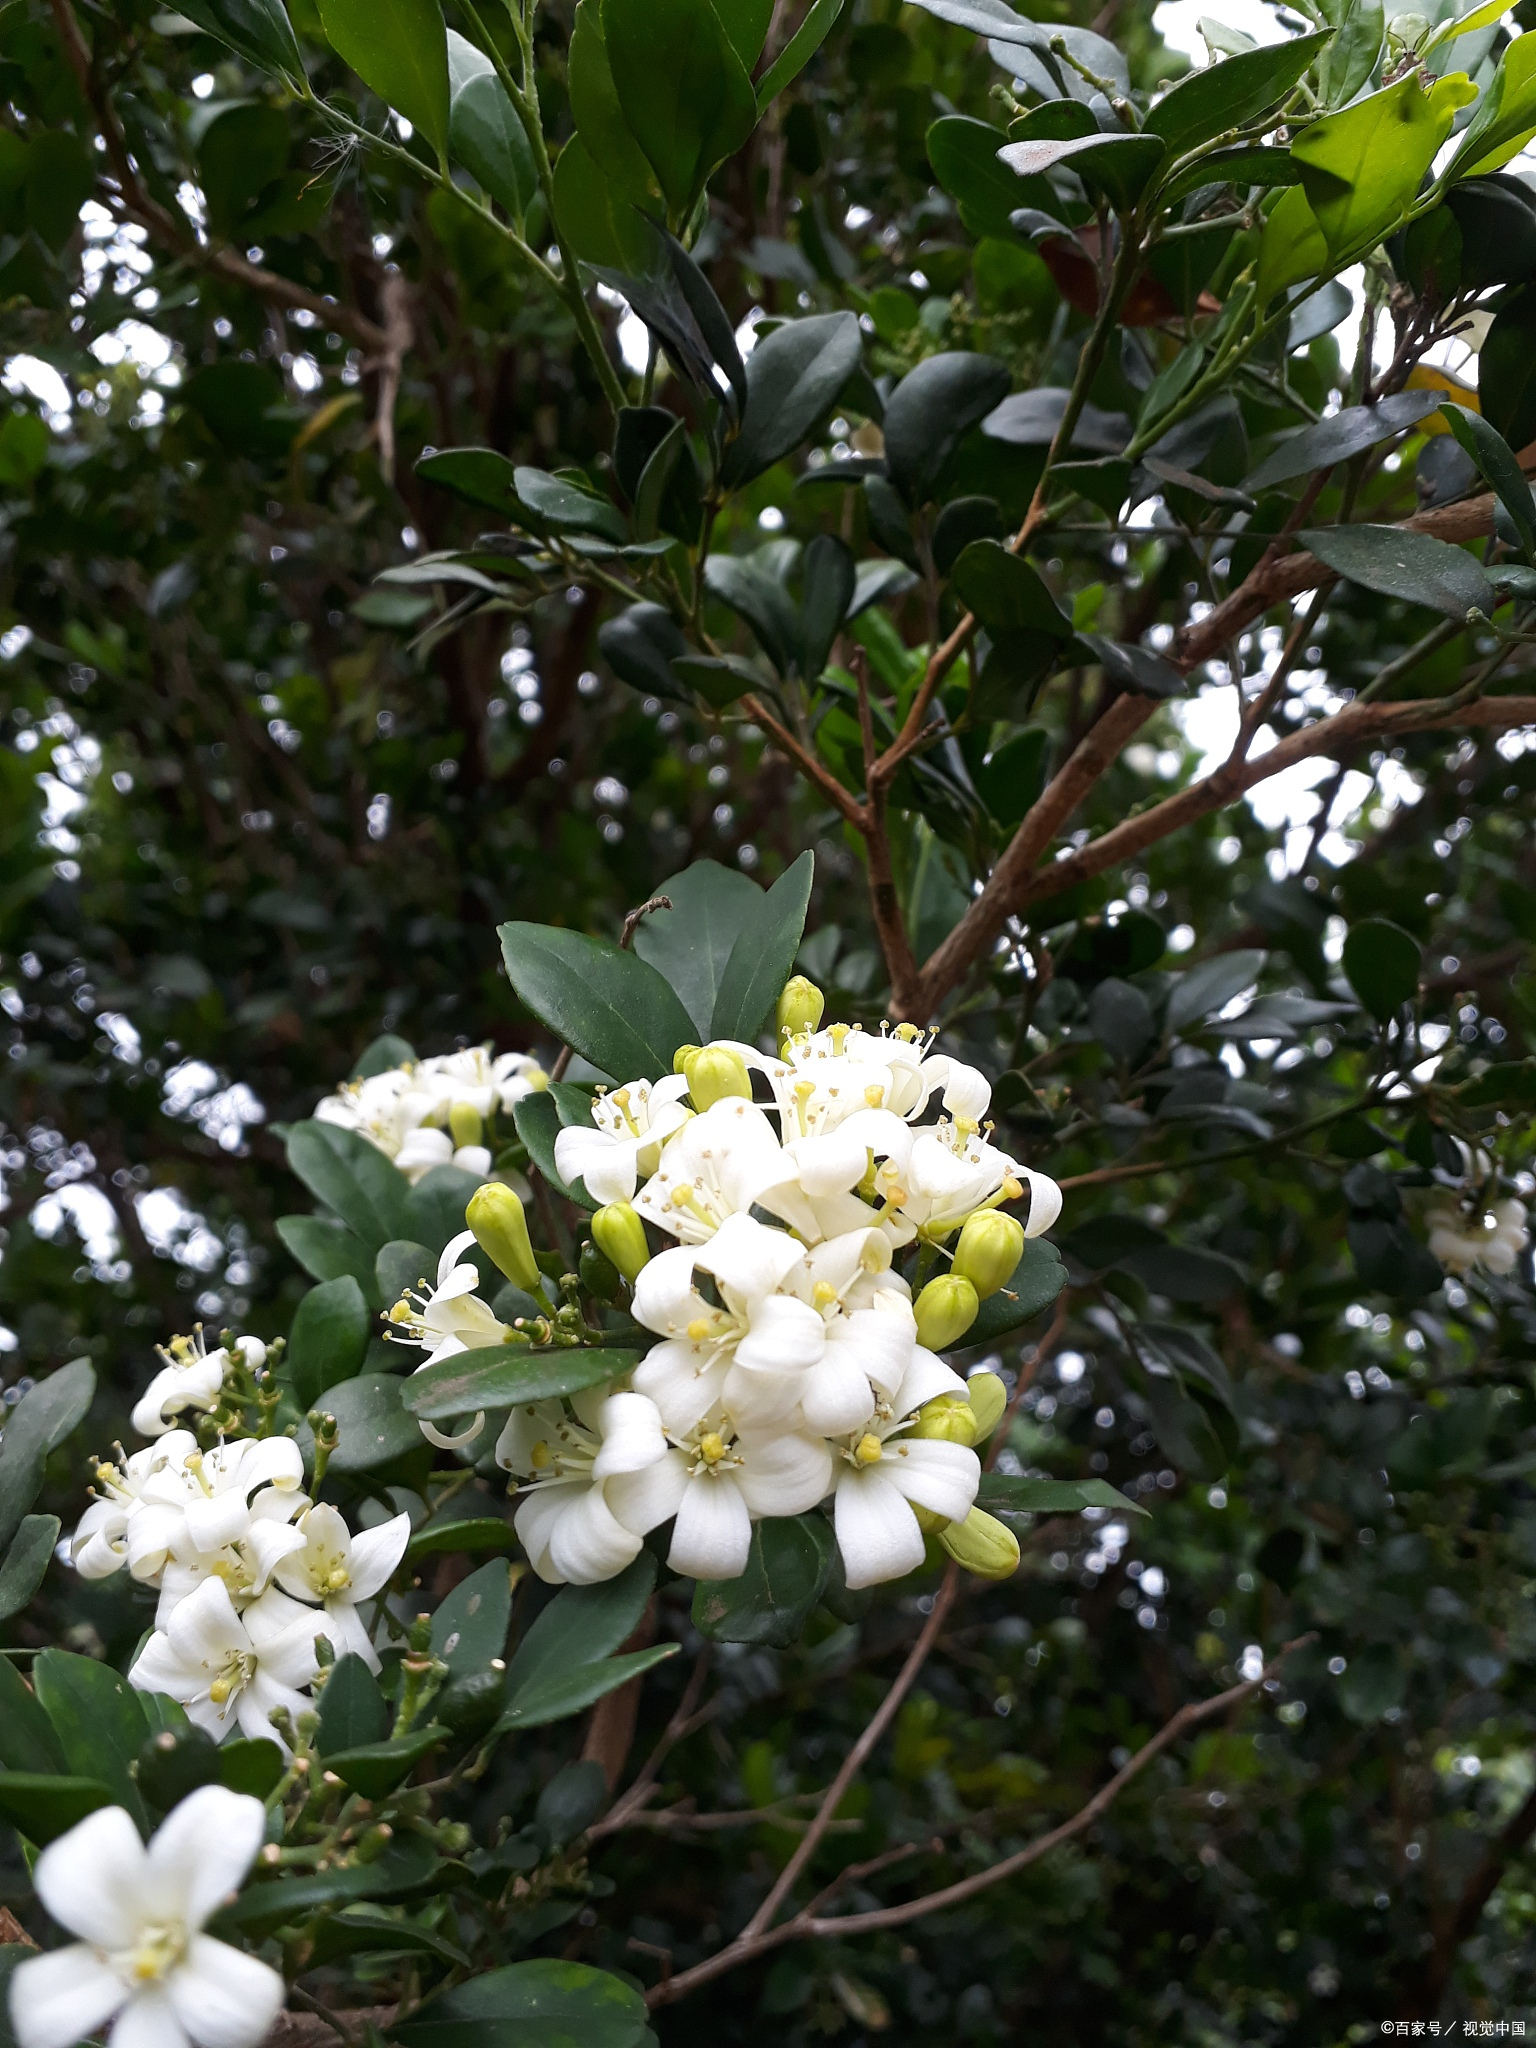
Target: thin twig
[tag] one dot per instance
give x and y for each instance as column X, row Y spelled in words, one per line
column 684, row 1720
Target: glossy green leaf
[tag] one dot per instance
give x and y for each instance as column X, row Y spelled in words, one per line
column 252, row 1766
column 1292, row 247
column 1400, row 563
column 1006, row 593
column 772, row 1601
column 1347, row 64
column 504, row 1375
column 402, row 1263
column 762, row 600
column 399, row 48
column 435, row 1208
column 794, row 376
column 819, row 20
column 563, row 507
column 484, row 132
column 328, row 1249
column 479, row 475
column 407, row 1865
column 26, row 1562
column 965, row 160
column 600, row 122
column 353, row 1711
column 99, row 1721
column 1383, row 964
column 470, row 1627
column 1505, row 120
column 258, row 30
column 763, row 957
column 686, row 95
column 328, row 1340
column 351, row 1177
column 375, row 1769
column 1014, row 1495
column 373, row 1428
column 597, row 216
column 1119, row 166
column 1506, row 370
column 1496, row 459
column 389, row 1049
column 42, row 1419
column 29, row 1741
column 690, row 944
column 1232, row 93
column 43, row 1808
column 582, row 1624
column 558, row 1696
column 1340, row 436
column 537, row 1118
column 931, row 408
column 1183, row 1272
column 829, row 580
column 1037, row 1280
column 1210, row 985
column 542, row 2004
column 605, row 1004
column 1362, row 167
column 455, row 1537
column 640, row 646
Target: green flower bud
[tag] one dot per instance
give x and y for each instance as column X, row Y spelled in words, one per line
column 983, row 1545
column 496, row 1217
column 988, row 1399
column 989, row 1250
column 947, row 1420
column 800, row 1007
column 714, row 1074
column 619, row 1235
column 945, row 1310
column 681, row 1058
column 928, row 1521
column 466, row 1126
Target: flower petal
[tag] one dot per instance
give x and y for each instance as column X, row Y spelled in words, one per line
column 1044, row 1200
column 784, row 1335
column 223, row 1998
column 937, row 1475
column 684, row 1380
column 644, row 1500
column 748, row 1258
column 149, row 2021
column 535, row 1522
column 666, row 1300
column 836, row 1395
column 784, row 1475
column 59, row 1998
column 375, row 1554
column 90, row 1878
column 877, row 1532
column 588, row 1543
column 713, row 1532
column 630, row 1426
column 204, row 1847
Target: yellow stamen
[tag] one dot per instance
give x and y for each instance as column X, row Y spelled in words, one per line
column 712, row 1448
column 700, row 1329
column 868, row 1450
column 539, row 1457
column 823, row 1294
column 874, row 1094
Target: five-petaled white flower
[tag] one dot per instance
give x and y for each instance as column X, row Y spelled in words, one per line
column 623, row 1144
column 718, row 1482
column 449, row 1317
column 576, row 1520
column 338, row 1569
column 143, row 1959
column 431, row 1112
column 191, row 1377
column 227, row 1668
column 885, row 1473
column 1492, row 1237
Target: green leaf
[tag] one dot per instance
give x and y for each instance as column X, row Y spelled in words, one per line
column 763, row 957
column 436, row 1205
column 762, row 600
column 597, row 217
column 1209, row 986
column 241, row 153
column 1119, row 166
column 772, row 1601
column 353, row 1711
column 829, row 580
column 1359, row 28
column 794, row 376
column 41, row 1420
column 1006, row 593
column 820, row 19
column 541, row 2004
column 686, row 95
column 373, row 1428
column 1037, row 1280
column 640, row 645
column 538, row 1122
column 1344, row 434
column 398, row 48
column 374, row 1769
column 1010, row 780
column 400, row 1264
column 26, row 1562
column 1292, row 247
column 1231, row 94
column 465, row 1537
column 1505, row 119
column 655, row 480
column 605, row 1004
column 964, row 156
column 1183, row 1272
column 690, row 944
column 479, row 475
column 505, row 1376
column 1362, row 167
column 1399, row 563
column 352, row 1178
column 484, row 132
column 561, row 1694
column 1506, row 370
column 470, row 1627
column 258, row 30
column 1495, row 458
column 566, row 508
column 251, row 1765
column 407, row 1865
column 42, row 1808
column 1383, row 964
column 59, row 180
column 328, row 1250
column 582, row 1624
column 1002, row 1490
column 99, row 1721
column 329, row 1339
column 388, row 1049
column 28, row 1740
column 599, row 118
column 931, row 408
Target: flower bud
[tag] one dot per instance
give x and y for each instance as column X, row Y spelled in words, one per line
column 681, row 1058
column 983, row 1545
column 988, row 1399
column 715, row 1073
column 466, row 1126
column 496, row 1217
column 928, row 1520
column 945, row 1310
column 619, row 1235
column 946, row 1420
column 800, row 1006
column 989, row 1249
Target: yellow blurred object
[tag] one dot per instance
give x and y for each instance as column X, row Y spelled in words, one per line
column 1428, row 378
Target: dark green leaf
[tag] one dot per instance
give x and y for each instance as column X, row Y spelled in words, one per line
column 258, row 29
column 1104, row 1241
column 686, row 95
column 42, row 1808
column 605, row 1004
column 434, row 1208
column 1037, row 1280
column 819, row 20
column 1210, row 985
column 772, row 1600
column 1005, row 593
column 406, row 1865
column 571, row 1801
column 353, row 1711
column 543, row 2004
column 1388, row 1256
column 1495, row 458
column 1121, row 1019
column 26, row 1562
column 598, row 218
column 470, row 1627
column 504, row 1376
column 1001, row 1490
column 565, row 507
column 561, row 1694
column 59, row 181
column 1399, row 563
column 28, row 1740
column 964, row 156
column 931, row 408
column 762, row 601
column 763, row 956
column 1030, row 419
column 377, row 1931
column 829, row 582
column 240, row 154
column 793, row 377
column 399, row 48
column 538, row 1122
column 484, row 132
column 1383, row 963
column 329, row 1339
column 374, row 1769
column 453, row 1538
column 400, row 1264
column 582, row 1624
column 1120, row 166
column 641, row 645
column 176, row 1761
column 477, row 474
column 352, row 1178
column 1134, row 668
column 373, row 1428
column 252, row 1766
column 99, row 1721
column 1183, row 1273
column 1374, row 1683
column 328, row 1249
column 41, row 1420
column 387, row 1050
column 690, row 943
column 1230, row 94
column 1359, row 28
column 1346, row 433
column 1009, row 781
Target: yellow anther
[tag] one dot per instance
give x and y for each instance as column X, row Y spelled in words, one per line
column 823, row 1294
column 712, row 1447
column 401, row 1312
column 700, row 1329
column 869, row 1450
column 337, row 1579
column 909, row 1032
column 220, row 1691
column 837, row 1033
column 874, row 1094
column 539, row 1457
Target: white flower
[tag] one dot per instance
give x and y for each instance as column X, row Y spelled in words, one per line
column 823, row 1077
column 428, row 1113
column 718, row 1165
column 340, row 1569
column 630, row 1124
column 566, row 1521
column 143, row 1959
column 1493, row 1238
column 451, row 1317
column 190, row 1378
column 885, row 1472
column 118, row 1529
column 223, row 1666
column 717, row 1483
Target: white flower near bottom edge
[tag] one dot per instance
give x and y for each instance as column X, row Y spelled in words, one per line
column 143, row 1959
column 226, row 1667
column 339, row 1569
column 885, row 1473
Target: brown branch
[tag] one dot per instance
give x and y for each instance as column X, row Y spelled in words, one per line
column 814, row 771
column 395, row 299
column 134, row 200
column 611, row 1724
column 684, row 1720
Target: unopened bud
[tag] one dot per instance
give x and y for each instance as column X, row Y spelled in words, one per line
column 947, row 1420
column 496, row 1217
column 682, row 1056
column 929, row 1520
column 983, row 1545
column 714, row 1074
column 619, row 1235
column 988, row 1250
column 800, row 1007
column 466, row 1126
column 945, row 1310
column 988, row 1399
column 373, row 1844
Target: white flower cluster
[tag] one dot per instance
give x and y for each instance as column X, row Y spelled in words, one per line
column 433, row 1112
column 250, row 1571
column 789, row 1367
column 1492, row 1238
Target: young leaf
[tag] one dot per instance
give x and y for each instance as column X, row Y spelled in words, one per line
column 1505, row 119
column 1292, row 247
column 399, row 48
column 329, row 1339
column 1337, row 438
column 793, row 378
column 686, row 95
column 1360, row 168
column 1495, row 458
column 763, row 956
column 605, row 1004
column 772, row 1600
column 932, row 407
column 1383, row 963
column 1407, row 565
